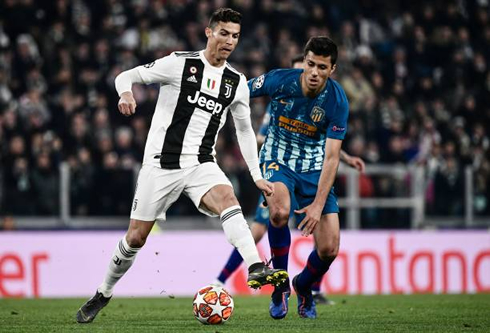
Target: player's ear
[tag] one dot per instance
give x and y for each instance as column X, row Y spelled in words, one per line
column 334, row 67
column 208, row 31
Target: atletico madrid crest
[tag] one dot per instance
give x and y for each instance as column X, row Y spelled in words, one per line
column 317, row 114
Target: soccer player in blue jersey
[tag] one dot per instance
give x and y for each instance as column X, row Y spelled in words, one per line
column 301, row 155
column 261, row 221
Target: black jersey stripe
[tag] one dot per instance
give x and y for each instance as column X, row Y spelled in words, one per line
column 227, row 91
column 174, row 139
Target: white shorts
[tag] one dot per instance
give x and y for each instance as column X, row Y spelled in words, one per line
column 157, row 189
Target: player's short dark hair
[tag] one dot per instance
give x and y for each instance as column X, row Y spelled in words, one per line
column 224, row 15
column 323, row 46
column 297, row 58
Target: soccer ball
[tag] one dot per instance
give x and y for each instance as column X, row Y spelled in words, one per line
column 212, row 305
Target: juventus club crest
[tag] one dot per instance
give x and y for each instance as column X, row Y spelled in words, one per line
column 317, row 114
column 229, row 84
column 228, row 90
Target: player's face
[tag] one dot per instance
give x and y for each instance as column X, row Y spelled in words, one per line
column 222, row 40
column 317, row 69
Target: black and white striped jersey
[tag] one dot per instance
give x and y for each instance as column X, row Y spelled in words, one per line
column 192, row 107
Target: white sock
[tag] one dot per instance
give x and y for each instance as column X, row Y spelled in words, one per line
column 122, row 259
column 239, row 235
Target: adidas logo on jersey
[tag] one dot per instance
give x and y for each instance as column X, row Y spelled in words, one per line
column 192, row 79
column 204, row 103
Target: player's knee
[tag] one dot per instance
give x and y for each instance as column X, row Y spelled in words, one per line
column 135, row 239
column 279, row 217
column 328, row 252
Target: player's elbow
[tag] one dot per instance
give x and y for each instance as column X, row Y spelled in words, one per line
column 120, row 78
column 332, row 161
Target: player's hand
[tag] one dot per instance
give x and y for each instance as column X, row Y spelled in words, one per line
column 357, row 163
column 265, row 186
column 313, row 215
column 127, row 104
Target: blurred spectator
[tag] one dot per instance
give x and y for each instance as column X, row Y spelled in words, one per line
column 18, row 185
column 82, row 185
column 113, row 187
column 448, row 183
column 357, row 88
column 45, row 186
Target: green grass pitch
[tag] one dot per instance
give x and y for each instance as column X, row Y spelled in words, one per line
column 400, row 313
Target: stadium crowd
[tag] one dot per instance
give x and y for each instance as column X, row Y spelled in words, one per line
column 416, row 74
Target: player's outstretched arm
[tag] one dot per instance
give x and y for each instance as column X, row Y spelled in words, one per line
column 246, row 138
column 246, row 142
column 124, row 83
column 353, row 161
column 162, row 70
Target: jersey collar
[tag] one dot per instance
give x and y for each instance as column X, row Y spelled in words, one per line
column 206, row 62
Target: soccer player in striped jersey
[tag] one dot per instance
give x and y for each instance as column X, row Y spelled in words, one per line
column 261, row 221
column 197, row 89
column 300, row 155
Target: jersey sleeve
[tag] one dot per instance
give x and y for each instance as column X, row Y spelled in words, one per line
column 240, row 111
column 264, row 84
column 264, row 127
column 338, row 124
column 158, row 71
column 240, row 108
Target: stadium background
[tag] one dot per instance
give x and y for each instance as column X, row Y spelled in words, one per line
column 416, row 74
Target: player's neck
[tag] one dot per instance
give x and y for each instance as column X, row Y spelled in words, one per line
column 213, row 58
column 308, row 92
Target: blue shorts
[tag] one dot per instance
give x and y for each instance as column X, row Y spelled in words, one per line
column 262, row 212
column 302, row 186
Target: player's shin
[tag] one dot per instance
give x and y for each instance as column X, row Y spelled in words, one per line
column 239, row 235
column 121, row 261
column 279, row 241
column 315, row 268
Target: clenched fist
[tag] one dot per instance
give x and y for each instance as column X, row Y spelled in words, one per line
column 127, row 104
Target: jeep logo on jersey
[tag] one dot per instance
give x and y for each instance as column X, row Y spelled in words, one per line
column 205, row 103
column 317, row 114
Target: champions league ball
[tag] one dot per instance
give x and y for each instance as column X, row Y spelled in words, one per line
column 212, row 305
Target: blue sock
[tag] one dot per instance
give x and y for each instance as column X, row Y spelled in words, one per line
column 232, row 264
column 315, row 287
column 279, row 241
column 314, row 270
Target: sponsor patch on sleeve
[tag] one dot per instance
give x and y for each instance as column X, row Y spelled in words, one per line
column 339, row 129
